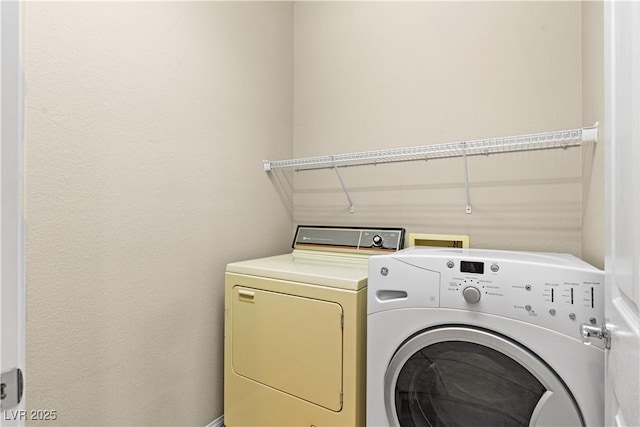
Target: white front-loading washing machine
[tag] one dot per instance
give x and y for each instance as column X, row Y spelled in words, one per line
column 471, row 337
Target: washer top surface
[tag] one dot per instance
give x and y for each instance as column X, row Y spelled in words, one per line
column 545, row 258
column 334, row 271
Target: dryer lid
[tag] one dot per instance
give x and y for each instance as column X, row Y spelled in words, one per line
column 342, row 272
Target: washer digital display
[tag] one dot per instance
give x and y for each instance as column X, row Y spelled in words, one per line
column 472, row 267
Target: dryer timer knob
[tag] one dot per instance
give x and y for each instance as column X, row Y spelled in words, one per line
column 377, row 241
column 471, row 294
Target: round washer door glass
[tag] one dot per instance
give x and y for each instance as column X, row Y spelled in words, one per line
column 463, row 376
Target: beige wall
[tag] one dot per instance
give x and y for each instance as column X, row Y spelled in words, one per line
column 382, row 75
column 147, row 126
column 593, row 238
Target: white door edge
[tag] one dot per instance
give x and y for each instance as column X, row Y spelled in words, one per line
column 622, row 205
column 12, row 236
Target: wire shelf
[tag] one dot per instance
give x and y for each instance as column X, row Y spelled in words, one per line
column 530, row 142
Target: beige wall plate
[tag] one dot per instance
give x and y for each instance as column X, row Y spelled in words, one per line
column 441, row 240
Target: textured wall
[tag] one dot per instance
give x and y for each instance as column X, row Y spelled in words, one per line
column 146, row 126
column 386, row 74
column 593, row 237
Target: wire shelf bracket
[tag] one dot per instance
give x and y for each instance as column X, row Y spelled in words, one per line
column 352, row 208
column 466, row 182
column 530, row 142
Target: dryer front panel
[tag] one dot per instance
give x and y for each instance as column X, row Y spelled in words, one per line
column 290, row 343
column 462, row 376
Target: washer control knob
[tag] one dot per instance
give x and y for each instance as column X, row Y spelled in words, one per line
column 450, row 264
column 471, row 294
column 377, row 241
column 495, row 268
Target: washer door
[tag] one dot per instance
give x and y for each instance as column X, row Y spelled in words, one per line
column 463, row 376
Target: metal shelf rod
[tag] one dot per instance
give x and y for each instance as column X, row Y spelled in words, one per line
column 464, row 149
column 530, row 142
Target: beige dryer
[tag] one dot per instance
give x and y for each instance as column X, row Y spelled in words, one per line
column 295, row 330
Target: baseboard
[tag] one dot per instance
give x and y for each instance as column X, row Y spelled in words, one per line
column 218, row 422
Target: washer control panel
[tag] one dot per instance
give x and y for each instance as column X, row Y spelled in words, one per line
column 555, row 291
column 515, row 290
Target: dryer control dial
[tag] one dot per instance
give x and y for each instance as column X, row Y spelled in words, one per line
column 471, row 294
column 377, row 241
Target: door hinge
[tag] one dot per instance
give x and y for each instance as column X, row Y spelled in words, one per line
column 10, row 388
column 341, row 398
column 601, row 332
column 342, row 321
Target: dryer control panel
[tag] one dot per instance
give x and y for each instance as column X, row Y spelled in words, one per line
column 555, row 291
column 349, row 239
